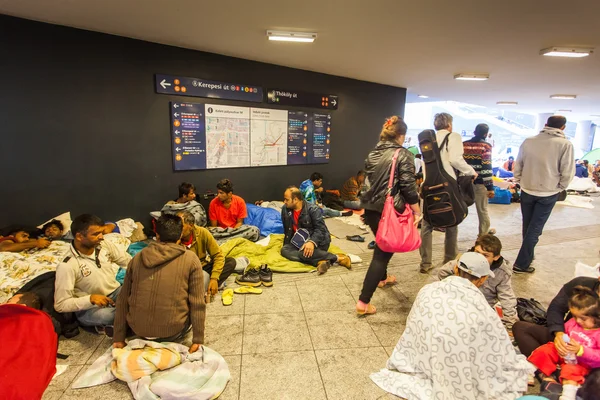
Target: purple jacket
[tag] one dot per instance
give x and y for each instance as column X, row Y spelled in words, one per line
column 589, row 339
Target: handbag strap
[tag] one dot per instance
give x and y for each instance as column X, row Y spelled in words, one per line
column 393, row 171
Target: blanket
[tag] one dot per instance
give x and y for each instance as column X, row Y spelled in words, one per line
column 202, row 375
column 223, row 235
column 269, row 254
column 268, row 220
column 454, row 347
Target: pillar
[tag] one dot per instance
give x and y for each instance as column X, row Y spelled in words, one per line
column 583, row 135
column 541, row 121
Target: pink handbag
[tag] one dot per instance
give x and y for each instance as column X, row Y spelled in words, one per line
column 396, row 232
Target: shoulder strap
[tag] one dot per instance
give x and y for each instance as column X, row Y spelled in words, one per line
column 445, row 141
column 393, row 171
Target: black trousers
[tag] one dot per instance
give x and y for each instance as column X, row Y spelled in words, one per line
column 378, row 269
column 530, row 336
column 228, row 269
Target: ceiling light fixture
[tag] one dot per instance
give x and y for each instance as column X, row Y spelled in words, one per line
column 302, row 37
column 571, row 52
column 564, row 110
column 423, row 96
column 507, row 103
column 595, row 115
column 563, row 96
column 472, row 77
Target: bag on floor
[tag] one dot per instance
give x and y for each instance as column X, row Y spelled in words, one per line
column 397, row 232
column 501, row 196
column 443, row 203
column 531, row 310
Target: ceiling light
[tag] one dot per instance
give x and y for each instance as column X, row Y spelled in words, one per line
column 292, row 36
column 572, row 52
column 595, row 115
column 423, row 96
column 507, row 103
column 472, row 77
column 563, row 96
column 565, row 111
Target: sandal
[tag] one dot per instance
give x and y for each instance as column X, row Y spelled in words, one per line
column 247, row 290
column 390, row 280
column 369, row 310
column 227, row 297
column 355, row 238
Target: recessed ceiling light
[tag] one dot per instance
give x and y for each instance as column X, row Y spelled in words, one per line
column 565, row 111
column 281, row 36
column 572, row 52
column 507, row 103
column 563, row 96
column 472, row 77
column 423, row 96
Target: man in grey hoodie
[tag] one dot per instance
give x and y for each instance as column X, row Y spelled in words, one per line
column 545, row 167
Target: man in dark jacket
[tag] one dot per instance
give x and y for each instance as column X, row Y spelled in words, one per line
column 298, row 214
column 530, row 336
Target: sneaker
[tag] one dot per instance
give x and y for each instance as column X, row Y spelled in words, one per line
column 347, row 213
column 424, row 270
column 344, row 261
column 109, row 331
column 492, row 231
column 528, row 270
column 322, row 267
column 250, row 278
column 371, row 245
column 266, row 275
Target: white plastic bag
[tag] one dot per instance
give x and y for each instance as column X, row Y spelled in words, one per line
column 582, row 269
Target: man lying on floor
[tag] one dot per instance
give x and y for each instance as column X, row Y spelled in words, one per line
column 162, row 298
column 85, row 280
column 18, row 240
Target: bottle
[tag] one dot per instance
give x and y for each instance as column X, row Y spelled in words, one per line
column 570, row 358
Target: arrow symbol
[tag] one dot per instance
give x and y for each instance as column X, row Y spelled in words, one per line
column 176, row 114
column 175, row 105
column 334, row 102
column 177, row 132
column 164, row 84
column 177, row 149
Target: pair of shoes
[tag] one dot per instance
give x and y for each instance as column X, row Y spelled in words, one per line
column 390, row 280
column 528, row 270
column 371, row 245
column 347, row 213
column 256, row 277
column 425, row 270
column 355, row 238
column 322, row 267
column 344, row 261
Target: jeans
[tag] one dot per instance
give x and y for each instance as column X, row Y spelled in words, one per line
column 329, row 212
column 481, row 204
column 290, row 252
column 99, row 316
column 450, row 244
column 228, row 269
column 352, row 204
column 378, row 268
column 536, row 211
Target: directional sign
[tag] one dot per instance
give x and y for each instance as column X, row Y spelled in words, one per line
column 188, row 136
column 302, row 99
column 198, row 87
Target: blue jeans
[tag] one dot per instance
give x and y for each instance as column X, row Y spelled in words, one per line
column 99, row 316
column 352, row 204
column 328, row 212
column 536, row 211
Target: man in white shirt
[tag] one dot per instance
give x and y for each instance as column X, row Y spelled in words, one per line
column 86, row 279
column 545, row 166
column 452, row 158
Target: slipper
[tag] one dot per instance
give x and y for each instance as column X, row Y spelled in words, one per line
column 227, row 297
column 369, row 310
column 355, row 238
column 247, row 290
column 390, row 280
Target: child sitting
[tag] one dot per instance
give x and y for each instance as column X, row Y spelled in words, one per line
column 581, row 352
column 498, row 288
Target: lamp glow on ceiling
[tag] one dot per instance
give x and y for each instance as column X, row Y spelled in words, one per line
column 472, row 77
column 570, row 52
column 507, row 103
column 563, row 96
column 301, row 37
column 423, row 96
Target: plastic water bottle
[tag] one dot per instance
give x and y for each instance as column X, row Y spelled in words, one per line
column 570, row 358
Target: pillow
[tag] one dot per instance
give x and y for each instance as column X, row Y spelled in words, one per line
column 65, row 218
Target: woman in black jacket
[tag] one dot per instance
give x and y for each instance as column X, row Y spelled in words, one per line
column 377, row 166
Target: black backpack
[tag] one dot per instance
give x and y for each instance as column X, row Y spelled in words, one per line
column 530, row 310
column 443, row 203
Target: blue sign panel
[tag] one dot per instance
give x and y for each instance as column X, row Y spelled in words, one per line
column 197, row 87
column 299, row 138
column 321, row 143
column 188, row 136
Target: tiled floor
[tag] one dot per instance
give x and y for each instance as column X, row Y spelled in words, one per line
column 300, row 339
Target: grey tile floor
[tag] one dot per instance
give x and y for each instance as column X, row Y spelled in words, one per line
column 300, row 339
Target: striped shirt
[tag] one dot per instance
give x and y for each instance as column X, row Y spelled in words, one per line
column 350, row 190
column 478, row 154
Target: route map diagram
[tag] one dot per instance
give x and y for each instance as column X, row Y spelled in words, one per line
column 269, row 142
column 227, row 142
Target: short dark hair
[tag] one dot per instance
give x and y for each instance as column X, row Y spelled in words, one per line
column 187, row 217
column 225, row 185
column 30, row 299
column 556, row 121
column 418, row 155
column 169, row 227
column 14, row 230
column 295, row 192
column 586, row 162
column 185, row 188
column 490, row 243
column 586, row 300
column 511, row 158
column 82, row 223
column 315, row 176
column 482, row 130
column 361, row 173
column 54, row 222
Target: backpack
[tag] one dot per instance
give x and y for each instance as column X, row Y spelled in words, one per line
column 530, row 310
column 465, row 183
column 443, row 203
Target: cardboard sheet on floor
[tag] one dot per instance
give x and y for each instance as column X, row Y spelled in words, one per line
column 343, row 226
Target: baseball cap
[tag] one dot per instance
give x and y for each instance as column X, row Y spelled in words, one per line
column 475, row 264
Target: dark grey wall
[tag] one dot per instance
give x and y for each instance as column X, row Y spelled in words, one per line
column 82, row 129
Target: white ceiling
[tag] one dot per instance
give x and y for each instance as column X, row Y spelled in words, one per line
column 417, row 44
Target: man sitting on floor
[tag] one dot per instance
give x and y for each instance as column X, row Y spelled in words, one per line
column 454, row 345
column 351, row 191
column 19, row 240
column 312, row 189
column 163, row 291
column 85, row 280
column 307, row 238
column 227, row 211
column 186, row 202
column 200, row 241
